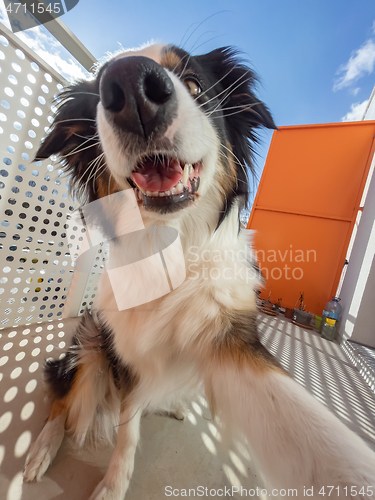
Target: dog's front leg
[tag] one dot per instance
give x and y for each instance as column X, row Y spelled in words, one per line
column 116, row 481
column 297, row 442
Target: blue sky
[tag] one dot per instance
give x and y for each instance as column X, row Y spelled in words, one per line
column 296, row 46
column 316, row 59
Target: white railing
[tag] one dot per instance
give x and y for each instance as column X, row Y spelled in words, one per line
column 35, row 265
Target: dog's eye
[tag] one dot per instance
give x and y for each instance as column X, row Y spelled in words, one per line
column 193, row 87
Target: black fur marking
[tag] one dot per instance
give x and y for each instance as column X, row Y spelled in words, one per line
column 243, row 338
column 124, row 377
column 247, row 333
column 59, row 374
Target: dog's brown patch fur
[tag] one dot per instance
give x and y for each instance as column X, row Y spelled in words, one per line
column 105, row 185
column 170, row 60
column 58, row 407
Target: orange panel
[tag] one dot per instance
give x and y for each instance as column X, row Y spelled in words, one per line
column 314, row 169
column 296, row 256
column 305, row 208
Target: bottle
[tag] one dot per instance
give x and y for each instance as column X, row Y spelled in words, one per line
column 330, row 317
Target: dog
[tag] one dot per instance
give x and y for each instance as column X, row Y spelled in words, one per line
column 179, row 131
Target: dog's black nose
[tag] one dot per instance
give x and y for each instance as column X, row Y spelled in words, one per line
column 138, row 95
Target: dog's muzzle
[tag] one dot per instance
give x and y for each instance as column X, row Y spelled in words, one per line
column 140, row 102
column 138, row 96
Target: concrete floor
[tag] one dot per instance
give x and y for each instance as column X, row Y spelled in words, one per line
column 324, row 369
column 180, row 455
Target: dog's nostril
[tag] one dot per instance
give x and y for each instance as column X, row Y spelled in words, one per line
column 113, row 98
column 158, row 88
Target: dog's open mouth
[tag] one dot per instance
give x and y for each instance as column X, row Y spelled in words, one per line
column 162, row 181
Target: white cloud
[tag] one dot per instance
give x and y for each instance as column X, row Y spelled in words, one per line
column 355, row 91
column 49, row 49
column 356, row 112
column 3, row 15
column 361, row 62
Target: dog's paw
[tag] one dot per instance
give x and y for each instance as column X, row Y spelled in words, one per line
column 178, row 413
column 44, row 450
column 37, row 463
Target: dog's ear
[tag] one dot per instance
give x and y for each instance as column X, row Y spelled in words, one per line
column 76, row 111
column 56, row 142
column 73, row 134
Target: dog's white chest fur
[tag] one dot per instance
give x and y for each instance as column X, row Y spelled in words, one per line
column 181, row 324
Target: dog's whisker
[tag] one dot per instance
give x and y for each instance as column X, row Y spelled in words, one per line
column 228, row 93
column 76, row 149
column 248, row 108
column 233, row 177
column 189, row 55
column 219, row 81
column 181, row 44
column 89, row 166
column 94, row 136
column 96, row 158
column 83, row 93
column 184, row 68
column 98, row 172
column 80, row 150
column 235, row 159
column 240, row 107
column 74, row 120
column 96, row 167
column 109, row 184
column 201, row 23
column 232, row 89
column 196, row 48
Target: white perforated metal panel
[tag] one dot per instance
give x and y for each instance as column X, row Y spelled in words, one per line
column 35, row 264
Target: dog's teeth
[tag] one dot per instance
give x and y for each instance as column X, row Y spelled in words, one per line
column 162, row 193
column 148, row 193
column 185, row 175
column 155, row 193
column 167, row 193
column 174, row 190
column 191, row 169
column 179, row 188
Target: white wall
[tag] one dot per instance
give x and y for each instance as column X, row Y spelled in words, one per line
column 370, row 110
column 358, row 288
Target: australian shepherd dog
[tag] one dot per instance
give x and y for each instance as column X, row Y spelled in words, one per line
column 177, row 131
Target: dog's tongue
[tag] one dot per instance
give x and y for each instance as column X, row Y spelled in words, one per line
column 158, row 174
